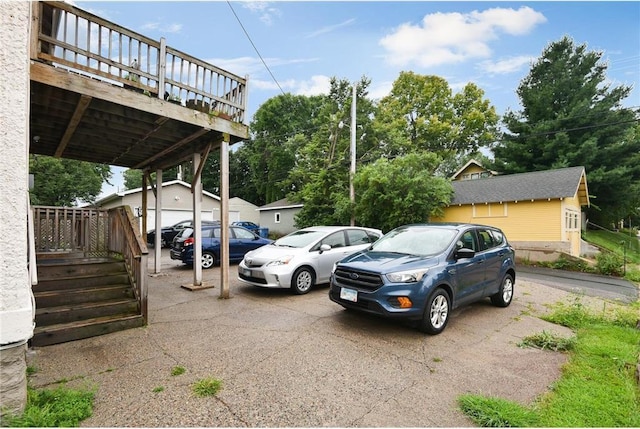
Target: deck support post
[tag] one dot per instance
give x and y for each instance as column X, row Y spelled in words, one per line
column 224, row 217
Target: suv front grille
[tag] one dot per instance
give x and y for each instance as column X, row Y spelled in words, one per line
column 358, row 280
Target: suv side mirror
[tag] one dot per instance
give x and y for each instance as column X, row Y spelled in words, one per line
column 464, row 253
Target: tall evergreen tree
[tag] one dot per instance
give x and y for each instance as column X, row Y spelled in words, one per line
column 572, row 116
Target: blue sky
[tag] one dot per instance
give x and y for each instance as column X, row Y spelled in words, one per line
column 304, row 43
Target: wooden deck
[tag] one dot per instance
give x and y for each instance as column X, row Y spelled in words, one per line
column 103, row 93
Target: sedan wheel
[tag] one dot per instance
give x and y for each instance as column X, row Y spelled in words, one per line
column 505, row 294
column 208, row 260
column 436, row 313
column 302, row 281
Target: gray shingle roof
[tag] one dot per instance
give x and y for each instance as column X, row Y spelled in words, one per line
column 280, row 204
column 537, row 185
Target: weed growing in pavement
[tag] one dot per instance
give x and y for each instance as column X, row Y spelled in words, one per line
column 158, row 389
column 207, row 386
column 177, row 370
column 598, row 386
column 548, row 341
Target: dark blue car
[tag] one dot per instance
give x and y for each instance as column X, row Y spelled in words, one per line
column 422, row 272
column 240, row 242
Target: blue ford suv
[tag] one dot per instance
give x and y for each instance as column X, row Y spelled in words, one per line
column 421, row 272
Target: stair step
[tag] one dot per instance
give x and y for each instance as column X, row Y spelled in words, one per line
column 78, row 282
column 59, row 298
column 52, row 271
column 65, row 332
column 72, row 313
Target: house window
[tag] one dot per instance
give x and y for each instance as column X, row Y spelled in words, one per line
column 572, row 220
column 489, row 210
column 277, row 218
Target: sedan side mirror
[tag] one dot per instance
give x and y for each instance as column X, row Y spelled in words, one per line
column 324, row 248
column 464, row 253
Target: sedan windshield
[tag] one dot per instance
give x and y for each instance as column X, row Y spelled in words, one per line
column 299, row 238
column 420, row 241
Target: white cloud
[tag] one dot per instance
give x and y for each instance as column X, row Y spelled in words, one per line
column 251, row 65
column 330, row 28
column 318, row 84
column 449, row 38
column 263, row 8
column 157, row 26
column 506, row 66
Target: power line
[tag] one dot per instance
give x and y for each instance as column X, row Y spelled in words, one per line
column 254, row 47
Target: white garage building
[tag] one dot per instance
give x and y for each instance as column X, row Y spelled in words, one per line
column 177, row 205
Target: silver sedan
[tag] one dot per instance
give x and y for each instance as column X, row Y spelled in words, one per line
column 304, row 258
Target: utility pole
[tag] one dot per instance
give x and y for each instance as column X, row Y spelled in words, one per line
column 352, row 171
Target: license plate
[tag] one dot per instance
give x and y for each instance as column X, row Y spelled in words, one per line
column 245, row 272
column 349, row 294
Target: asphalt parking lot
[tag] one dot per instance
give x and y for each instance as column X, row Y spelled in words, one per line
column 288, row 360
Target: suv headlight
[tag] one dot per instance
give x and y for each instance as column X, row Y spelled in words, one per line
column 280, row 261
column 412, row 276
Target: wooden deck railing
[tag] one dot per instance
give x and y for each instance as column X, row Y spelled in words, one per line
column 125, row 238
column 71, row 230
column 69, row 37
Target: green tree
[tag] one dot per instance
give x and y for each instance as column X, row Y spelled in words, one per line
column 63, row 182
column 422, row 114
column 320, row 176
column 133, row 178
column 404, row 190
column 572, row 116
column 268, row 157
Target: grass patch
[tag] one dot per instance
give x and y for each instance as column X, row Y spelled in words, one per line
column 496, row 412
column 177, row 370
column 598, row 387
column 61, row 407
column 158, row 389
column 548, row 341
column 207, row 386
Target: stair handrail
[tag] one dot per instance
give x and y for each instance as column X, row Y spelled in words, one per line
column 125, row 239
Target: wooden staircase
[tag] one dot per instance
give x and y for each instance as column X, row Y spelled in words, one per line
column 78, row 297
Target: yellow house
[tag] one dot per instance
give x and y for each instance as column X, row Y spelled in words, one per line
column 540, row 212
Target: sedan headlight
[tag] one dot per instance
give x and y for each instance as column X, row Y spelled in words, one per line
column 280, row 261
column 412, row 276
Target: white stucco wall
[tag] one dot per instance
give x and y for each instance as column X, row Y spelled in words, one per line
column 15, row 289
column 16, row 305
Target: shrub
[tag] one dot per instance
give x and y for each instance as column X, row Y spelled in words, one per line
column 609, row 264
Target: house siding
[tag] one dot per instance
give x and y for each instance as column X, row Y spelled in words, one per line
column 286, row 224
column 537, row 229
column 16, row 308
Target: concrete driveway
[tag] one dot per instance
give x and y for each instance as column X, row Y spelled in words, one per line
column 302, row 361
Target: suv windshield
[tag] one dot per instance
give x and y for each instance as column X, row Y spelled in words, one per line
column 299, row 238
column 420, row 241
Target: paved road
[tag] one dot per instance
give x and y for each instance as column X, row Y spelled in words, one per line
column 591, row 285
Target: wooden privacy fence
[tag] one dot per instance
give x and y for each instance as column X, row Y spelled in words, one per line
column 79, row 41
